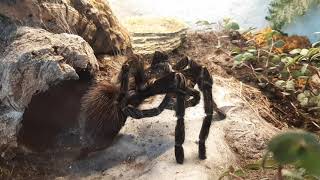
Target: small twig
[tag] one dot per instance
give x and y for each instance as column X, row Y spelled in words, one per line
column 258, row 55
column 269, row 53
column 240, row 92
column 314, row 123
column 295, row 108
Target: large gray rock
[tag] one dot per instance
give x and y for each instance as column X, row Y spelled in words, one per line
column 93, row 20
column 31, row 61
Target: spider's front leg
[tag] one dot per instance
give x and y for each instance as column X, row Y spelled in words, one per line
column 139, row 114
column 172, row 83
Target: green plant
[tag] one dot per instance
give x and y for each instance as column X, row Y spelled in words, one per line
column 251, row 52
column 230, row 25
column 298, row 148
column 282, row 12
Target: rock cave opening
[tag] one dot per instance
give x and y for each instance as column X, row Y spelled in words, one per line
column 52, row 113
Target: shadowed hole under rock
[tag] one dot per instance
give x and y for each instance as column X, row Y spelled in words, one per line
column 51, row 114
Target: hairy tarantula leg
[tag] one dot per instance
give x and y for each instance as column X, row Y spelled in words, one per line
column 205, row 85
column 167, row 84
column 172, row 83
column 180, row 128
column 208, row 106
column 137, row 66
column 138, row 114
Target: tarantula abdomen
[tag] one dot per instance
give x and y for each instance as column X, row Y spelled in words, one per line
column 101, row 116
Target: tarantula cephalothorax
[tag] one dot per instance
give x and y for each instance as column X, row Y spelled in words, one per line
column 106, row 106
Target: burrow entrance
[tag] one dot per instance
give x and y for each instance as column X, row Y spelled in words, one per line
column 51, row 114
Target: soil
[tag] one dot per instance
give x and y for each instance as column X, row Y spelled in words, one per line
column 144, row 149
column 284, row 107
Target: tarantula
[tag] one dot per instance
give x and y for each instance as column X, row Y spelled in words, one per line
column 106, row 106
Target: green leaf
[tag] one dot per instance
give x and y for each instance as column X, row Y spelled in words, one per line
column 232, row 26
column 311, row 160
column 272, row 33
column 304, row 52
column 280, row 84
column 292, row 174
column 247, row 56
column 253, row 51
column 303, row 99
column 297, row 59
column 284, row 74
column 240, row 173
column 269, row 41
column 253, row 166
column 290, row 86
column 315, row 57
column 312, row 52
column 290, row 61
column 203, row 23
column 279, row 44
column 270, row 164
column 291, row 146
column 314, row 100
column 238, row 57
column 304, row 69
column 276, row 59
column 275, row 33
column 296, row 74
column 235, row 51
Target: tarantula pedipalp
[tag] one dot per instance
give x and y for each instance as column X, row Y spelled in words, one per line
column 106, row 106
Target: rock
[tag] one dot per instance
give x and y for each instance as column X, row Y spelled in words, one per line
column 93, row 20
column 150, row 34
column 32, row 61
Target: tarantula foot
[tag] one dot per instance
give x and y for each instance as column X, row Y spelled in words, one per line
column 202, row 151
column 132, row 112
column 179, row 154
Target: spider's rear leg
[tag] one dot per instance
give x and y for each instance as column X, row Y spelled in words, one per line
column 205, row 85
